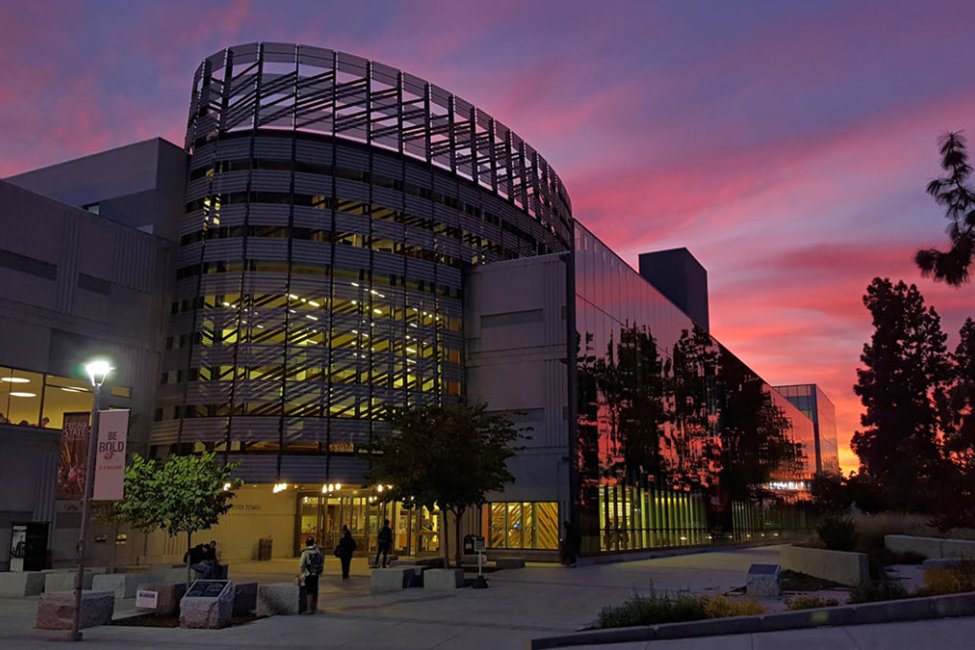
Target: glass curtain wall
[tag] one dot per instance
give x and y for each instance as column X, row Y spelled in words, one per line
column 671, row 426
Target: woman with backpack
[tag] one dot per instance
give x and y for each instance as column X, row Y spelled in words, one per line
column 310, row 567
column 344, row 550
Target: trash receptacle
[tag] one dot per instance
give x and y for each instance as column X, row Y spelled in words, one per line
column 473, row 544
column 264, row 549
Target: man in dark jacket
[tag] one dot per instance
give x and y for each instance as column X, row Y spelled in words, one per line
column 344, row 550
column 384, row 542
column 310, row 568
column 198, row 560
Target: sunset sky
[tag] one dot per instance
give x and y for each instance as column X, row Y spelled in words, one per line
column 785, row 143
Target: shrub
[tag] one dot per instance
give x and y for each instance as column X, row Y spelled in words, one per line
column 873, row 528
column 653, row 609
column 724, row 607
column 956, row 580
column 838, row 533
column 810, row 602
column 878, row 590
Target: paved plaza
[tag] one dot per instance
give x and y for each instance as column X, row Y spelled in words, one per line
column 541, row 600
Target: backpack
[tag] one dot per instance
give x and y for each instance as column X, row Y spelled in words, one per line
column 316, row 563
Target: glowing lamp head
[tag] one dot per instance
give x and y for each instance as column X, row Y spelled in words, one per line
column 97, row 371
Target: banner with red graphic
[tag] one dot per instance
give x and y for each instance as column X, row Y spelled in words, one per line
column 73, row 462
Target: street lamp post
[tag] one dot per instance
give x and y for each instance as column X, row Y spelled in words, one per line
column 97, row 372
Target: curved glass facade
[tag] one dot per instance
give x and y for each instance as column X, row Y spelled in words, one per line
column 330, row 207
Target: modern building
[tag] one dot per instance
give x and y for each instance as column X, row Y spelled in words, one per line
column 338, row 238
column 815, row 405
column 73, row 285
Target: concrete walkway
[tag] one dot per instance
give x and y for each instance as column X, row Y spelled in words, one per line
column 542, row 600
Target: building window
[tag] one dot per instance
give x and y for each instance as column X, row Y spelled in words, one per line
column 522, row 525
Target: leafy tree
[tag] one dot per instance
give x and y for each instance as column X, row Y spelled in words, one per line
column 754, row 431
column 185, row 494
column 630, row 379
column 960, row 432
column 954, row 265
column 587, row 439
column 696, row 440
column 831, row 493
column 905, row 372
column 451, row 455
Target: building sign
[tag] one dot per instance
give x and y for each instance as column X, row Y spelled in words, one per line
column 113, row 430
column 146, row 599
column 72, row 464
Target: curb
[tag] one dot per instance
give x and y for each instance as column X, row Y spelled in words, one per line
column 908, row 609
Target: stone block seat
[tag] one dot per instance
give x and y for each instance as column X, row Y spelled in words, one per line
column 394, row 579
column 14, row 584
column 55, row 610
column 122, row 584
column 245, row 598
column 63, row 580
column 278, row 598
column 170, row 593
column 443, row 579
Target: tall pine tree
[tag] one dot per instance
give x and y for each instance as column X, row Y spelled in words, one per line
column 953, row 265
column 956, row 507
column 906, row 371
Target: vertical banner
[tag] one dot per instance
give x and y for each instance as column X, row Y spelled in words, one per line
column 113, row 431
column 74, row 456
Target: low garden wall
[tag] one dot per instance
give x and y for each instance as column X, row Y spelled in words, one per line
column 837, row 566
column 931, row 547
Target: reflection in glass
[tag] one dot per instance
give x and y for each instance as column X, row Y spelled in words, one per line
column 678, row 441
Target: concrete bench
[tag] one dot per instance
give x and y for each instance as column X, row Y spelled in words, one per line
column 443, row 579
column 393, row 579
column 15, row 584
column 278, row 598
column 245, row 598
column 55, row 610
column 931, row 547
column 167, row 573
column 169, row 595
column 64, row 580
column 509, row 562
column 123, row 585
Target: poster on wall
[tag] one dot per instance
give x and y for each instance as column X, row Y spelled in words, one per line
column 113, row 430
column 74, row 456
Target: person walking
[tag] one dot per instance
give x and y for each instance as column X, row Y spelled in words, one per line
column 310, row 568
column 571, row 541
column 344, row 550
column 384, row 542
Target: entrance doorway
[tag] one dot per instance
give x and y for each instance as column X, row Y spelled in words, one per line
column 416, row 531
